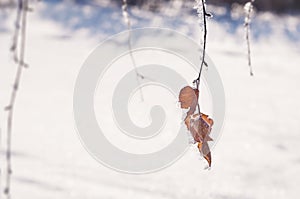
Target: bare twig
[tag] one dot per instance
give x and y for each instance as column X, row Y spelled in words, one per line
column 14, row 45
column 139, row 76
column 10, row 107
column 204, row 14
column 201, row 10
column 248, row 8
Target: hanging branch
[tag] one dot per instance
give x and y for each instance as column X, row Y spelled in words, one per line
column 248, row 8
column 10, row 107
column 199, row 125
column 202, row 14
column 128, row 22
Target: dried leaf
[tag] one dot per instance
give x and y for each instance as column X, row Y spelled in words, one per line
column 188, row 98
column 200, row 128
column 199, row 125
column 205, row 151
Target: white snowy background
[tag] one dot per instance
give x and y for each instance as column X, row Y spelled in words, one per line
column 257, row 156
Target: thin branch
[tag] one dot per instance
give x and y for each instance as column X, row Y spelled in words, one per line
column 201, row 10
column 14, row 47
column 204, row 15
column 128, row 22
column 10, row 107
column 248, row 8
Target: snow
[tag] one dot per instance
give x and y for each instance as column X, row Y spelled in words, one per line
column 256, row 158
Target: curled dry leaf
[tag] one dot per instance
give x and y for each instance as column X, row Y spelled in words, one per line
column 200, row 128
column 188, row 98
column 199, row 125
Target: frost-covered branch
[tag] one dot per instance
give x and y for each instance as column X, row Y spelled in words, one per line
column 248, row 9
column 128, row 22
column 200, row 6
column 10, row 107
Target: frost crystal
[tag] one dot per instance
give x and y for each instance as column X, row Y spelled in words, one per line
column 199, row 8
column 125, row 12
column 248, row 6
column 248, row 9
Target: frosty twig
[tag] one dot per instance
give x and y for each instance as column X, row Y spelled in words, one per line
column 10, row 107
column 248, row 8
column 202, row 14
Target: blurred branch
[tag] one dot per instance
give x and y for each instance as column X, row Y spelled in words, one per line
column 10, row 107
column 248, row 8
column 128, row 22
column 16, row 32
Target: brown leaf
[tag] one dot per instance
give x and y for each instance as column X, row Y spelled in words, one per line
column 188, row 98
column 199, row 125
column 187, row 122
column 205, row 151
column 200, row 128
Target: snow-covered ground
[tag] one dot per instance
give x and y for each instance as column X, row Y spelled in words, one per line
column 257, row 156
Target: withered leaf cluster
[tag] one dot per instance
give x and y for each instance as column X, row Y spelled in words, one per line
column 199, row 125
